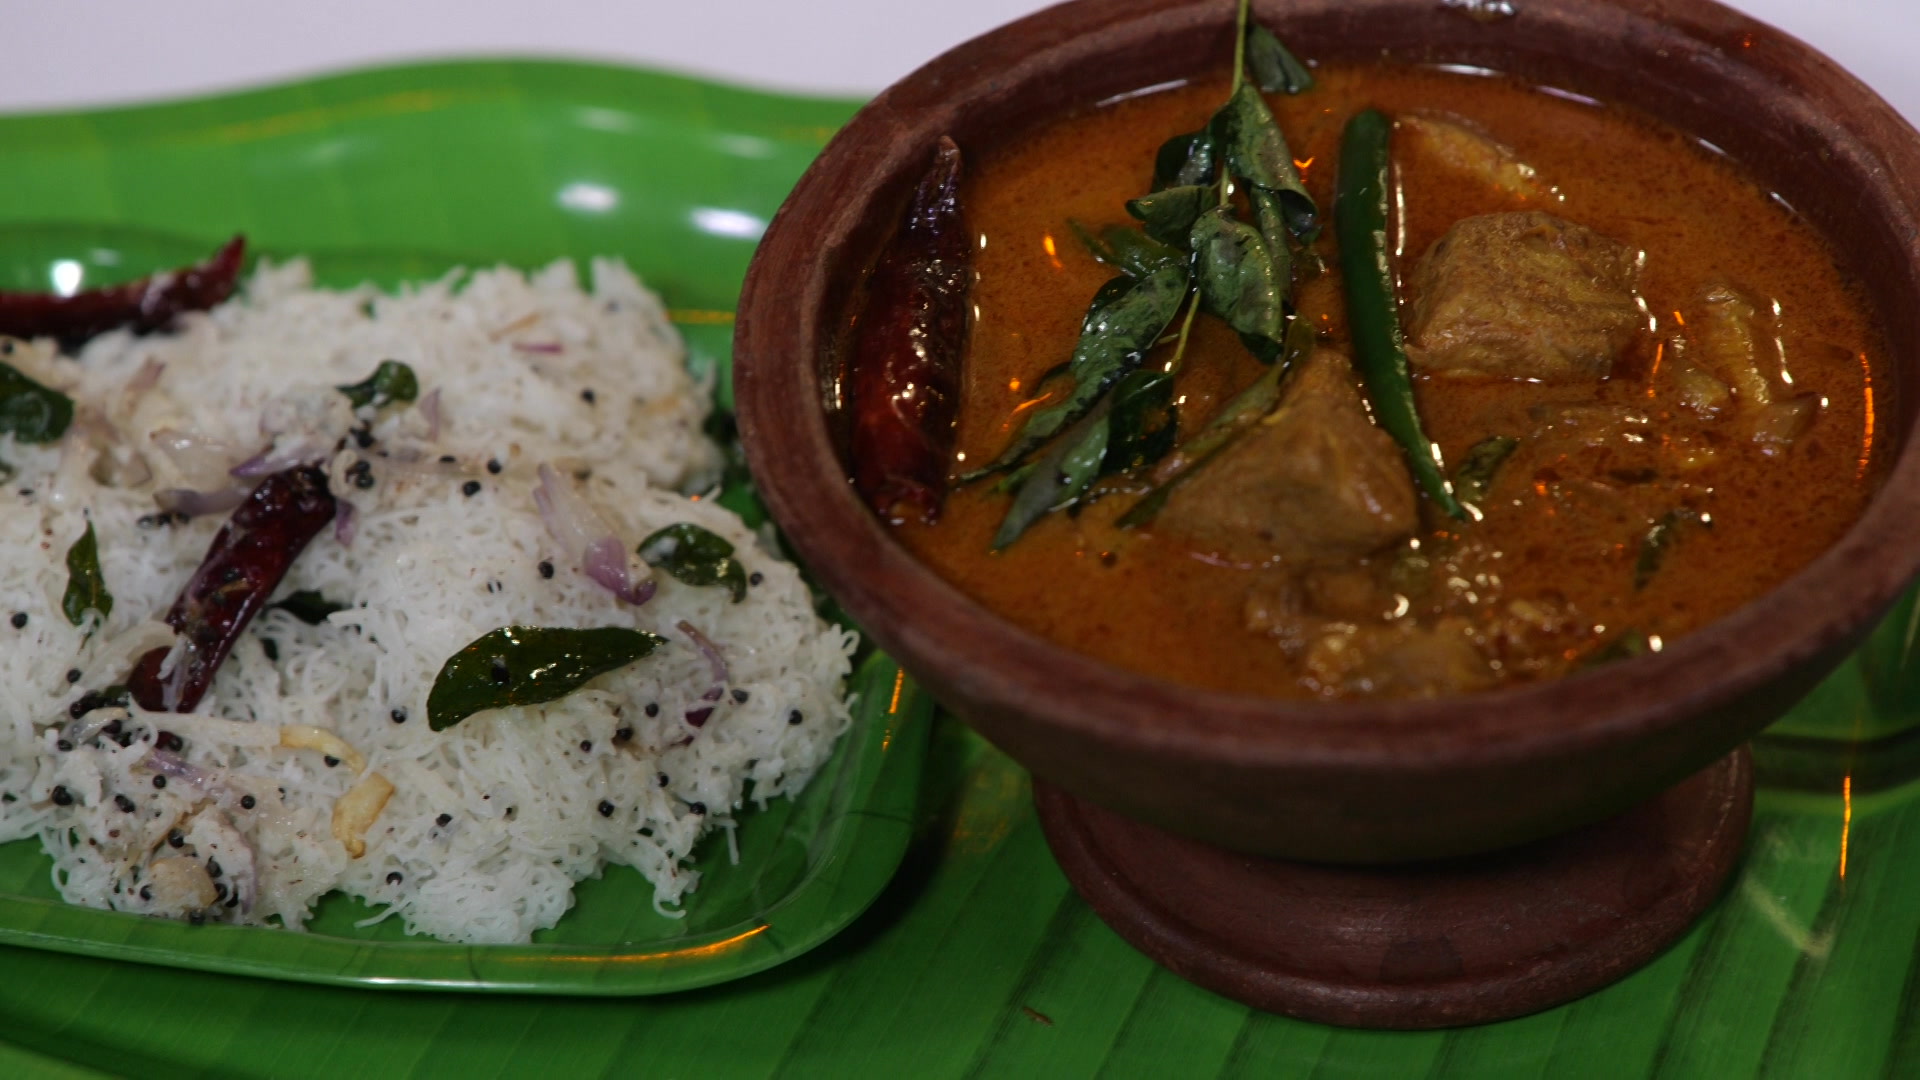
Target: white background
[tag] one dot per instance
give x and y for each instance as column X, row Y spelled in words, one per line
column 63, row 53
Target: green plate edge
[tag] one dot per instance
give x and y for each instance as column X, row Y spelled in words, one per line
column 669, row 172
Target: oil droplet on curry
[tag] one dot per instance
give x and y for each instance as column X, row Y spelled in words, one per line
column 1657, row 377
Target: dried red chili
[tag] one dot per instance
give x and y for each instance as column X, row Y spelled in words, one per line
column 152, row 303
column 243, row 566
column 905, row 369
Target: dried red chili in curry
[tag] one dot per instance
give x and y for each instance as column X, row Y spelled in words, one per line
column 1654, row 483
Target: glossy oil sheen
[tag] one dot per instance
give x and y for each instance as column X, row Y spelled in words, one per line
column 977, row 959
column 1154, row 601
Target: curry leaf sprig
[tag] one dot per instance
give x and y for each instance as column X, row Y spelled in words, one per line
column 1195, row 250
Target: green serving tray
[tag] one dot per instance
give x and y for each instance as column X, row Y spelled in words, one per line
column 392, row 176
column 977, row 959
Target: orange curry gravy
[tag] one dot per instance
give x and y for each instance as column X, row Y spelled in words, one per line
column 1141, row 600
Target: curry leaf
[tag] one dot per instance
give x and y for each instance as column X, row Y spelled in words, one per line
column 1257, row 153
column 697, row 557
column 1081, row 465
column 1095, row 243
column 1271, row 218
column 1273, row 230
column 1185, row 160
column 1168, row 215
column 1012, row 481
column 391, row 381
column 1238, row 280
column 1629, row 644
column 30, row 412
column 1659, row 538
column 308, row 606
column 86, row 586
column 1129, row 251
column 1144, row 424
column 1061, row 475
column 1122, row 325
column 528, row 665
column 1273, row 66
column 1474, row 477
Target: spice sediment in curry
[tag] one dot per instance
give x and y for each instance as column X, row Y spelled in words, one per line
column 1565, row 519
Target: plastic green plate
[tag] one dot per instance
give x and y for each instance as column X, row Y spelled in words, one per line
column 391, row 175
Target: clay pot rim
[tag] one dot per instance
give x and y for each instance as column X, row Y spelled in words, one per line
column 784, row 324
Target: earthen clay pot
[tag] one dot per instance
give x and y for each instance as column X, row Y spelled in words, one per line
column 1355, row 781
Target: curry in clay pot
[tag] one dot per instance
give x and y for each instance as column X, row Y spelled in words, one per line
column 1477, row 384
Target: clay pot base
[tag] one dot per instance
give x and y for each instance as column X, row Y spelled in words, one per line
column 1430, row 945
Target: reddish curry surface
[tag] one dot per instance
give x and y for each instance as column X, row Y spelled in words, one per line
column 1141, row 600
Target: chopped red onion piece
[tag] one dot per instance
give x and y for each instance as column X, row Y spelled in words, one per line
column 584, row 533
column 257, row 465
column 196, row 503
column 201, row 460
column 346, row 521
column 175, row 767
column 716, row 663
column 716, row 666
column 146, row 378
column 430, row 408
column 605, row 561
column 550, row 348
column 302, row 452
column 82, row 731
